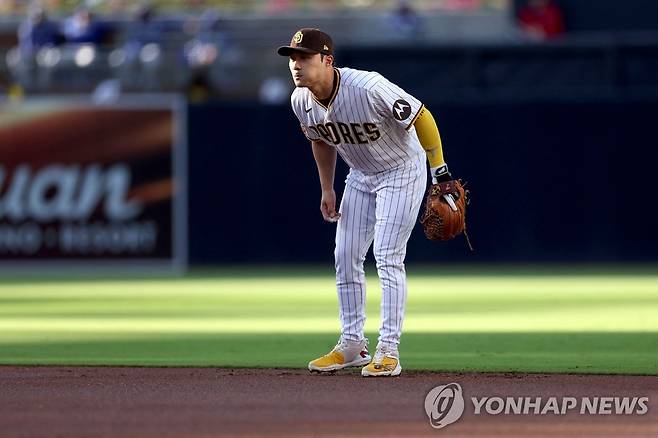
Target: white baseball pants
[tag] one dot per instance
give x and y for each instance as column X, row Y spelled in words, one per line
column 382, row 207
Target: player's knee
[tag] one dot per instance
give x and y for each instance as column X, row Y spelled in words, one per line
column 385, row 266
column 343, row 260
column 347, row 263
column 388, row 255
column 389, row 260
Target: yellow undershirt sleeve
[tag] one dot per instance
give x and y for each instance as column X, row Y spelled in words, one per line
column 430, row 139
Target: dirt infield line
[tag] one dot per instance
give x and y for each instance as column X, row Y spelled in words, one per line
column 208, row 402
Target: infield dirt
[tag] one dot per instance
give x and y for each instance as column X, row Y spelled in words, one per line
column 207, row 402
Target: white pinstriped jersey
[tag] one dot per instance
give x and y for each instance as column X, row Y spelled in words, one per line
column 368, row 119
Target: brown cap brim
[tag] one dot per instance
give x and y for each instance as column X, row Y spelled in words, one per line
column 287, row 50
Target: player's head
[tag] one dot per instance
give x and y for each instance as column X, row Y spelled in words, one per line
column 311, row 53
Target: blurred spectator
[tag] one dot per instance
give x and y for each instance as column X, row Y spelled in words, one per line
column 202, row 52
column 406, row 21
column 36, row 32
column 199, row 88
column 142, row 31
column 207, row 39
column 82, row 27
column 541, row 19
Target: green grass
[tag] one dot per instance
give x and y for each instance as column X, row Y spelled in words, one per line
column 560, row 321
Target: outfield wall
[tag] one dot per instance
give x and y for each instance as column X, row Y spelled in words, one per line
column 552, row 181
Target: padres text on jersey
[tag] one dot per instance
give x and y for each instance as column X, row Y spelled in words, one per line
column 368, row 119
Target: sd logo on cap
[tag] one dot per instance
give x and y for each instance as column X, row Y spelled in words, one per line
column 308, row 40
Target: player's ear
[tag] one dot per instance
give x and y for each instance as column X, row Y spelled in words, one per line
column 329, row 60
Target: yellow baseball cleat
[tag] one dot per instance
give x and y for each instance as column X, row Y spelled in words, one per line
column 345, row 354
column 385, row 363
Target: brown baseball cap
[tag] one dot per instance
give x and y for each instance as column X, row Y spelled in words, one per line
column 308, row 40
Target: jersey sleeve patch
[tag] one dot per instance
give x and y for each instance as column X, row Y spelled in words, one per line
column 401, row 109
column 391, row 101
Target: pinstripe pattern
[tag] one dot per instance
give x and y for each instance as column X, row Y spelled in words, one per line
column 382, row 208
column 363, row 97
column 383, row 192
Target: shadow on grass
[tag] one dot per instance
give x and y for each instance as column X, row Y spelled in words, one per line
column 326, row 270
column 615, row 353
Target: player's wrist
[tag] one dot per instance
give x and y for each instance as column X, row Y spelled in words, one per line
column 440, row 174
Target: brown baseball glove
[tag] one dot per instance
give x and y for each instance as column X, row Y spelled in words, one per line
column 445, row 210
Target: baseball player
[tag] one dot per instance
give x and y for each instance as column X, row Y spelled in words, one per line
column 384, row 134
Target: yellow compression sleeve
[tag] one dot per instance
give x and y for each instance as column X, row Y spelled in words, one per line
column 430, row 139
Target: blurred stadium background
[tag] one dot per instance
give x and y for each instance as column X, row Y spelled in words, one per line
column 154, row 137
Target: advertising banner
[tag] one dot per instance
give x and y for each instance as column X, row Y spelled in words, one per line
column 88, row 184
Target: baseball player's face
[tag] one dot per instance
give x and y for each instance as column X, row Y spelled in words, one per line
column 307, row 69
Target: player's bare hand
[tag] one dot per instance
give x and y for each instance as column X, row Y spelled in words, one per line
column 328, row 206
